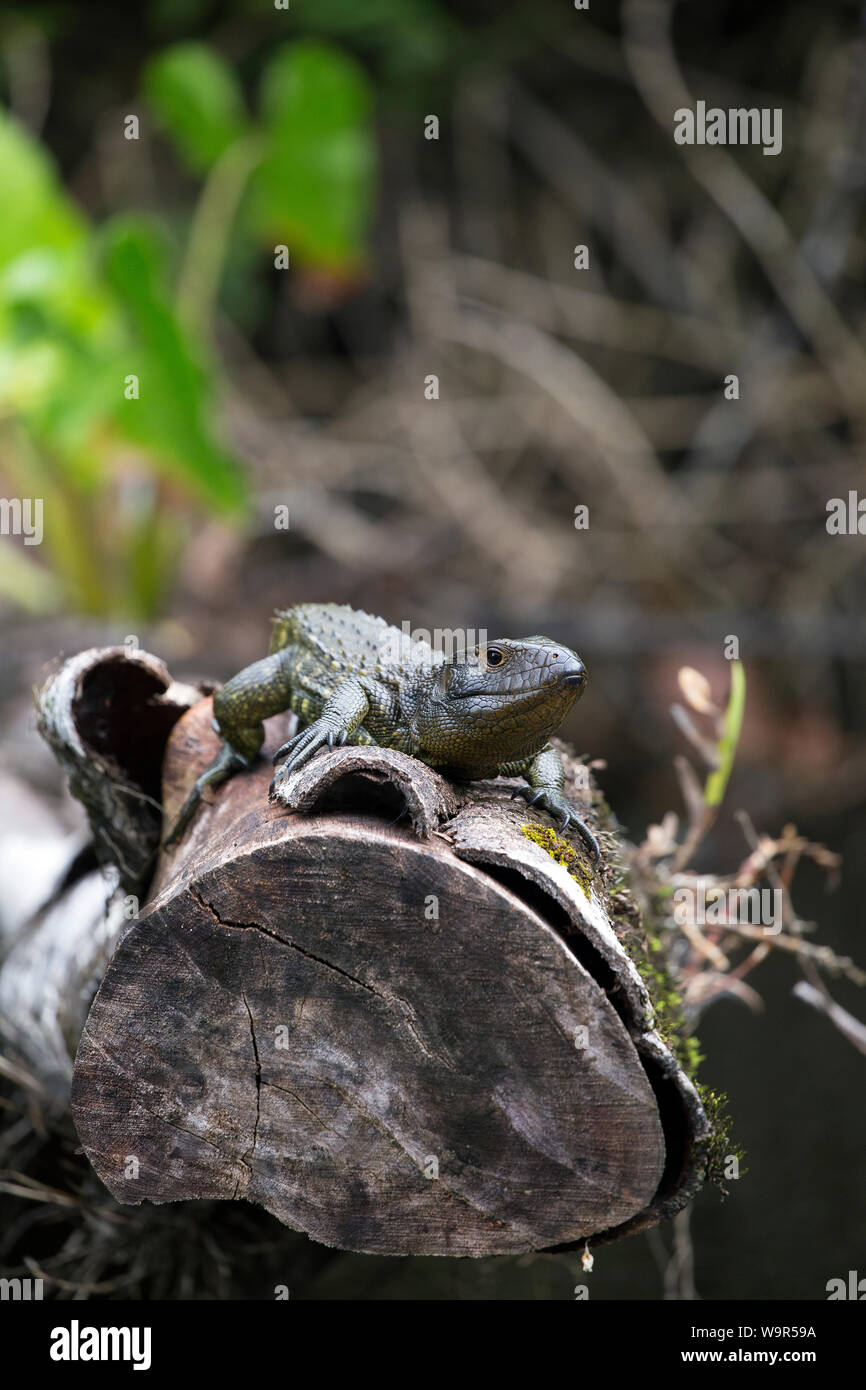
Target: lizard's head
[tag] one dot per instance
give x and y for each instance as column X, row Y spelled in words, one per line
column 502, row 701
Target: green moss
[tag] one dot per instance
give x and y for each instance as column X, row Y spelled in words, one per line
column 560, row 851
column 720, row 1148
column 665, row 998
column 672, row 1029
column 648, row 954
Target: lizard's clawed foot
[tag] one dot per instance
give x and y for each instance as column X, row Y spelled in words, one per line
column 227, row 761
column 301, row 748
column 558, row 806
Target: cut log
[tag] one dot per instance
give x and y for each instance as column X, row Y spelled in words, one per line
column 388, row 1017
column 106, row 714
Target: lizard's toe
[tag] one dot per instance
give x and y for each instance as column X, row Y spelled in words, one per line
column 303, row 752
column 301, row 748
column 528, row 795
column 588, row 838
column 556, row 805
column 286, row 748
column 227, row 762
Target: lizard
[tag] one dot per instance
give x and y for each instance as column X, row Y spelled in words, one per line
column 352, row 678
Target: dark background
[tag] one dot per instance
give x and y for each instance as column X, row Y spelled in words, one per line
column 557, row 388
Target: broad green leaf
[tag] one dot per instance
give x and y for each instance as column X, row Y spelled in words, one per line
column 29, row 374
column 70, row 330
column 195, row 96
column 36, row 211
column 58, row 288
column 59, row 329
column 173, row 415
column 74, row 419
column 314, row 188
column 56, row 318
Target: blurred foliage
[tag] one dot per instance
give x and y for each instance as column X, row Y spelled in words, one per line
column 196, row 96
column 707, row 520
column 315, row 181
column 410, row 37
column 85, row 310
column 313, row 185
column 81, row 312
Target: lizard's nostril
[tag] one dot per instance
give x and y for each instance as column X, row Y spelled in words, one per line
column 574, row 673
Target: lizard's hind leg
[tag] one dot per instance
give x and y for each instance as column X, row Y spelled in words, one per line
column 250, row 697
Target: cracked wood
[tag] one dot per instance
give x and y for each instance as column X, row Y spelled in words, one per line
column 375, row 1039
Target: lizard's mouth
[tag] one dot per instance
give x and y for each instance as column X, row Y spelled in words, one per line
column 569, row 674
column 568, row 681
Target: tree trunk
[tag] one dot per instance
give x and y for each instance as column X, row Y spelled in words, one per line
column 388, row 1017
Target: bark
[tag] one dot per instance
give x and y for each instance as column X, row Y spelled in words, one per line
column 386, row 1016
column 106, row 714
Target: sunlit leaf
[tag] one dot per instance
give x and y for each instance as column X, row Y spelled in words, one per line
column 314, row 188
column 174, row 413
column 195, row 96
column 36, row 211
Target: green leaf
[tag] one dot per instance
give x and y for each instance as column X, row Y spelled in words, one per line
column 313, row 190
column 36, row 211
column 58, row 333
column 60, row 283
column 56, row 318
column 195, row 96
column 173, row 415
column 717, row 781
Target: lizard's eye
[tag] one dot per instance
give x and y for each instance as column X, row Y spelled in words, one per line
column 494, row 657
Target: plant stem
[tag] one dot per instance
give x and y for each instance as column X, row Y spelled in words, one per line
column 717, row 781
column 210, row 230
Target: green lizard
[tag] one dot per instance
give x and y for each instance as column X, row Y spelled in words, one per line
column 353, row 679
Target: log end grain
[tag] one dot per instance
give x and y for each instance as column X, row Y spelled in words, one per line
column 397, row 1044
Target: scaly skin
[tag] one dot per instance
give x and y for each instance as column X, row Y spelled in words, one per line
column 351, row 678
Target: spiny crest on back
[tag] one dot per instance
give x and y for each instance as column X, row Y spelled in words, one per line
column 334, row 630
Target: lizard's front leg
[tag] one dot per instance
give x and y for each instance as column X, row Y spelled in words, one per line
column 239, row 707
column 546, row 779
column 342, row 714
